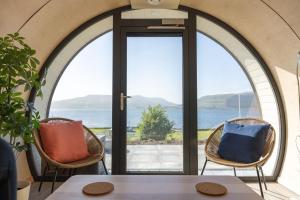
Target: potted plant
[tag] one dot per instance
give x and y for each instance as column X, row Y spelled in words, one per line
column 18, row 74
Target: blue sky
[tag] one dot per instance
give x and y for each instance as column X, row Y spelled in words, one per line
column 154, row 69
column 217, row 71
column 90, row 72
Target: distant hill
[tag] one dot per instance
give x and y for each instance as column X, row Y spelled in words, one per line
column 141, row 101
column 247, row 100
column 104, row 102
column 86, row 102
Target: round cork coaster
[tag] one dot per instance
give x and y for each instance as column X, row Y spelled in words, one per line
column 98, row 188
column 211, row 189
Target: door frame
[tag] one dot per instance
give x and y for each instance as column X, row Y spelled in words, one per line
column 138, row 27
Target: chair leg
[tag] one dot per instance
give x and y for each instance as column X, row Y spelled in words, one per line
column 54, row 179
column 74, row 171
column 103, row 163
column 234, row 171
column 44, row 173
column 70, row 172
column 259, row 181
column 263, row 176
column 203, row 168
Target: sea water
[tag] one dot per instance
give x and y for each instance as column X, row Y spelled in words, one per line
column 207, row 117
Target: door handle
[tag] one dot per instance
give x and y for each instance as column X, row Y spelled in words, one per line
column 122, row 98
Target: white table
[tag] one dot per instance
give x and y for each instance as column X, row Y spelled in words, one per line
column 153, row 187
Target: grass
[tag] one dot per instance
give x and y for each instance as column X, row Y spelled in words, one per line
column 174, row 137
column 204, row 134
column 177, row 135
column 102, row 131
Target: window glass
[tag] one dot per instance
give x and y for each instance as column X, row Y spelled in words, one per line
column 84, row 91
column 224, row 92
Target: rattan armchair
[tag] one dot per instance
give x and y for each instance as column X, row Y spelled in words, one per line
column 212, row 146
column 95, row 148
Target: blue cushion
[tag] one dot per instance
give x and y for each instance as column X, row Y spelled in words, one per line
column 242, row 143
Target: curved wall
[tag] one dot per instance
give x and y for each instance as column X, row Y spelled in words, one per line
column 270, row 34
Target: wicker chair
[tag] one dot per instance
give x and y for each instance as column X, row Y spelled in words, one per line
column 95, row 148
column 212, row 146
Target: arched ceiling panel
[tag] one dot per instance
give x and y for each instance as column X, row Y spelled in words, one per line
column 13, row 13
column 289, row 10
column 253, row 19
column 48, row 27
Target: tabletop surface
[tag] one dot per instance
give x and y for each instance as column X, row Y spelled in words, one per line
column 158, row 187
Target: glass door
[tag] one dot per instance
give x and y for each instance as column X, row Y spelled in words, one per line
column 154, row 112
column 152, row 102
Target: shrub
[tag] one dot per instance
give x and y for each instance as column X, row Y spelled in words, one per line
column 155, row 124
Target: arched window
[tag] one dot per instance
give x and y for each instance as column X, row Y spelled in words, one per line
column 80, row 67
column 231, row 83
column 84, row 91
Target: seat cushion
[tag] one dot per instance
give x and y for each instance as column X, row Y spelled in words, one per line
column 64, row 141
column 242, row 143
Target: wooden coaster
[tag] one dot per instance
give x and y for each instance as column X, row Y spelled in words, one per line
column 211, row 189
column 98, row 188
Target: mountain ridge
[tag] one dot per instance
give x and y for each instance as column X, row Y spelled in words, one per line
column 95, row 101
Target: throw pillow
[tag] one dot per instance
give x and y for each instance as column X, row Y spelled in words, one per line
column 64, row 141
column 242, row 143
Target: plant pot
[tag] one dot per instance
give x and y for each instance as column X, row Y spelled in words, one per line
column 23, row 190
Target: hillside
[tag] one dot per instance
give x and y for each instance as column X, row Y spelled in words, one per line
column 104, row 102
column 247, row 100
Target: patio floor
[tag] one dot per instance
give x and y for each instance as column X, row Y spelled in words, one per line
column 170, row 158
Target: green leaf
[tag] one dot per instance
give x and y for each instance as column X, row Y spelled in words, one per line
column 36, row 60
column 17, row 71
column 32, row 63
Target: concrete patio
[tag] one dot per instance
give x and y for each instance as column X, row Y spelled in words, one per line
column 170, row 158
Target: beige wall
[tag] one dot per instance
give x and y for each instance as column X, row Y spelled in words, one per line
column 259, row 24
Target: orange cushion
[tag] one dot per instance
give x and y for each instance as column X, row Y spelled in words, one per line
column 64, row 141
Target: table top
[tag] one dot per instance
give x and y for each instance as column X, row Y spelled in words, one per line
column 158, row 187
